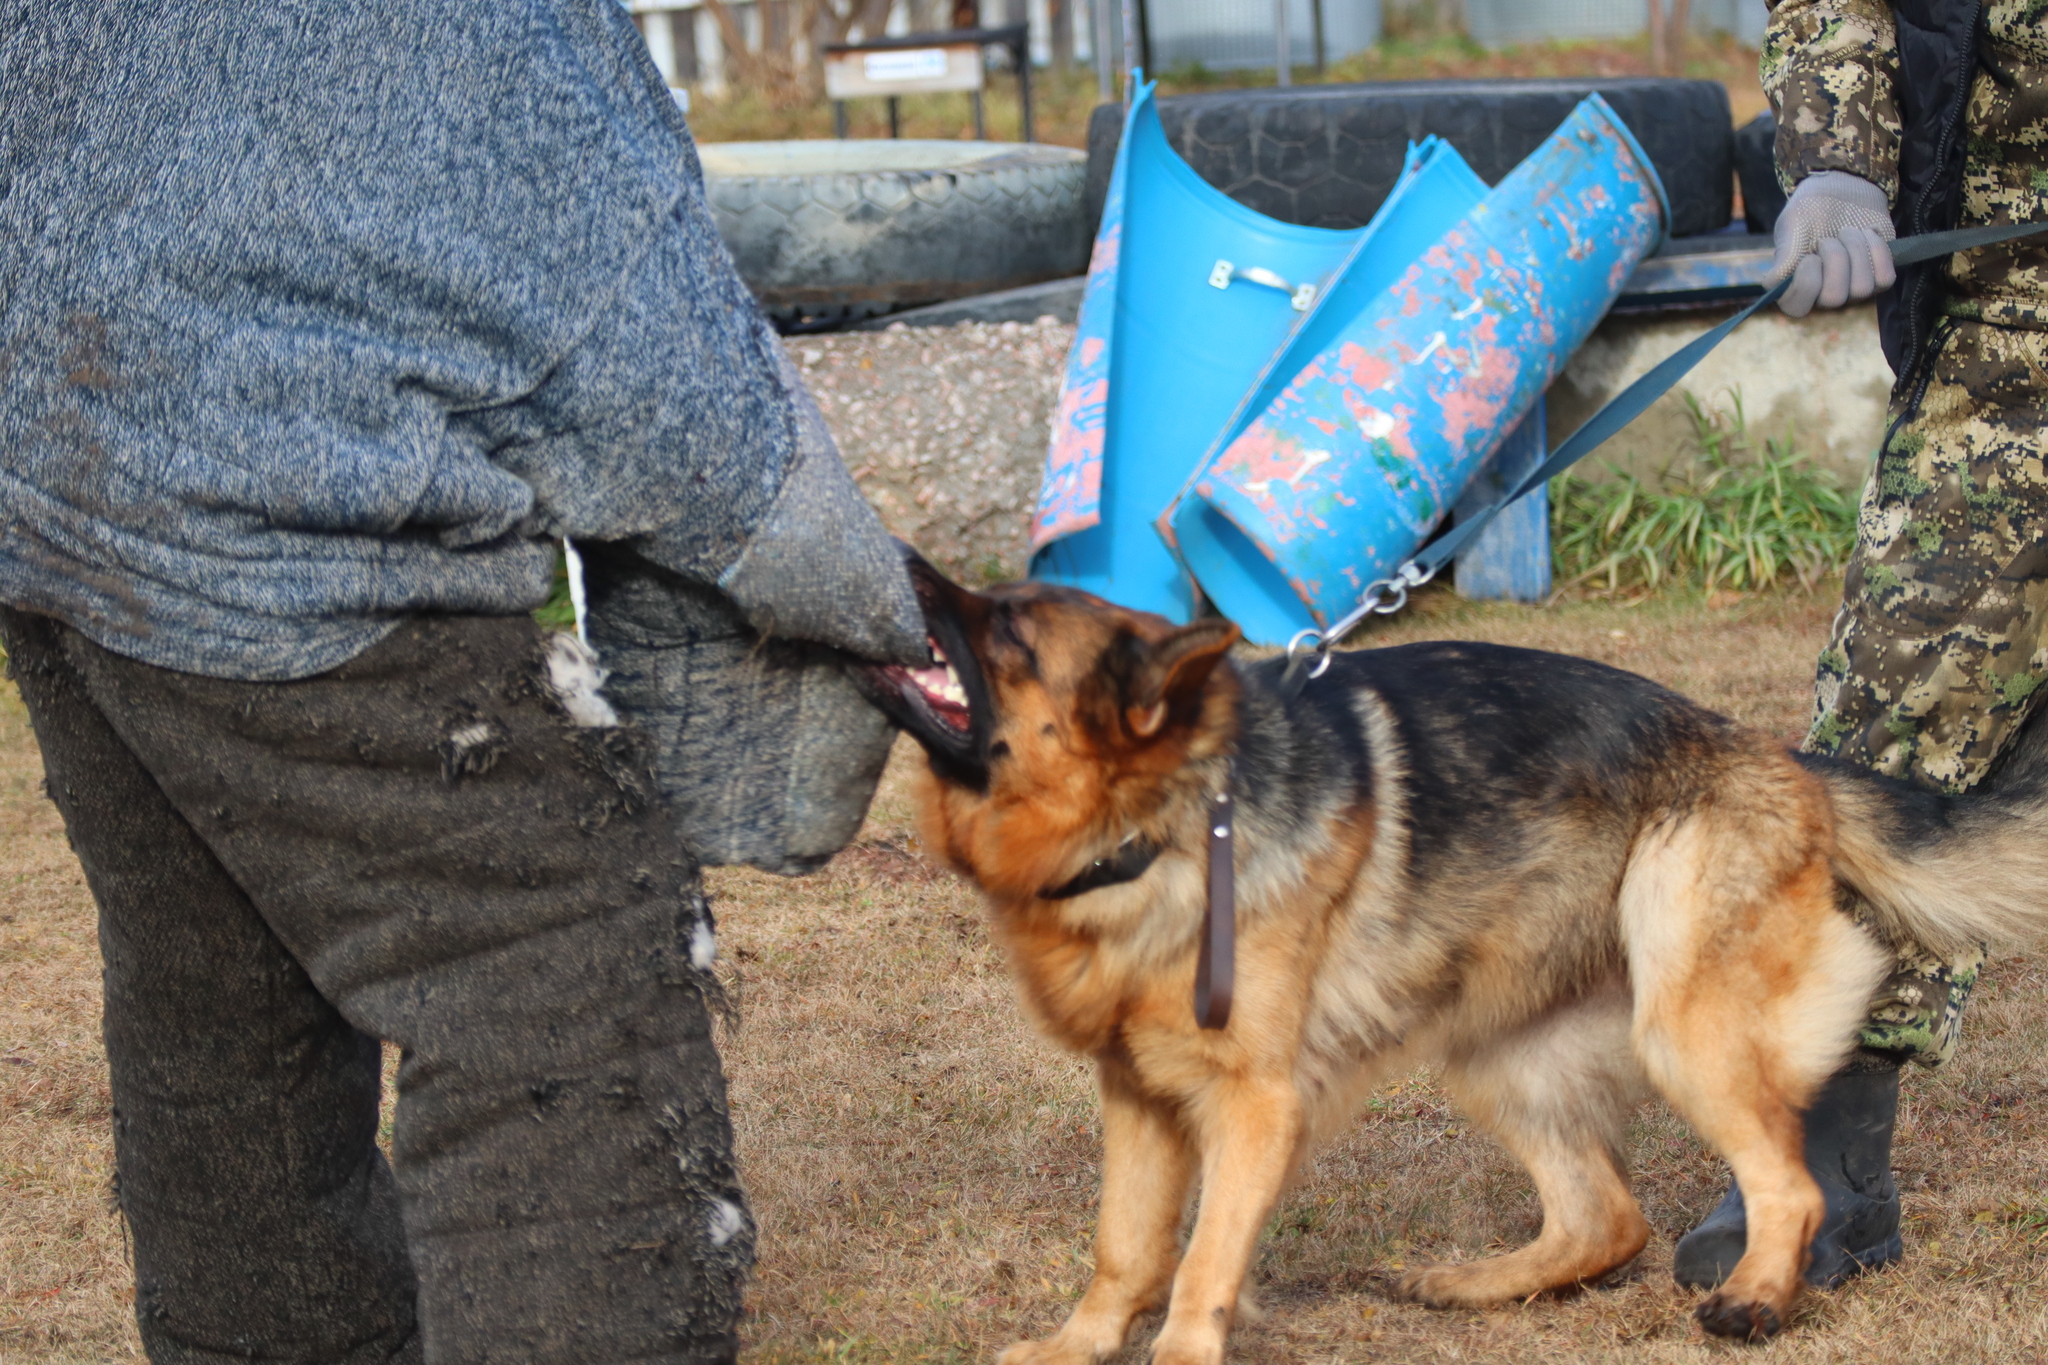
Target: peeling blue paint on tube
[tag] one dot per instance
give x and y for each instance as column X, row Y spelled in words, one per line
column 1435, row 191
column 1355, row 445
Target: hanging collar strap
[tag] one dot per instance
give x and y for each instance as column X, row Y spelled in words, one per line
column 1216, row 967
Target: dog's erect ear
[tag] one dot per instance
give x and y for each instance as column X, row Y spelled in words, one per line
column 1167, row 679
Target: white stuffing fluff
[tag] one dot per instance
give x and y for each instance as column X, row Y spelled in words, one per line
column 703, row 946
column 726, row 1222
column 575, row 679
column 470, row 736
column 579, row 600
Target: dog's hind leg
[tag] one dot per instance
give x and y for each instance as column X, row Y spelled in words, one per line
column 1749, row 985
column 1147, row 1166
column 1557, row 1094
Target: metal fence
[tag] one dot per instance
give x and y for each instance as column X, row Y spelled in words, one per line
column 688, row 50
column 1232, row 34
column 1218, row 34
column 1497, row 23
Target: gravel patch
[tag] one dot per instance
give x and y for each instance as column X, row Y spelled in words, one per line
column 944, row 429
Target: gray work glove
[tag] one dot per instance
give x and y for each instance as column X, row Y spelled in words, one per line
column 1832, row 240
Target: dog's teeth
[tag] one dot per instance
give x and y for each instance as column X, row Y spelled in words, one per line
column 941, row 683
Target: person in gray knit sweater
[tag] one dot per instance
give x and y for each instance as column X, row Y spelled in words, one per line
column 320, row 326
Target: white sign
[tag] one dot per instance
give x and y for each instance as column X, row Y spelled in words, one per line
column 903, row 71
column 914, row 64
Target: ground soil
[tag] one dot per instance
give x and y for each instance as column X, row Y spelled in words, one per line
column 924, row 1169
column 944, row 430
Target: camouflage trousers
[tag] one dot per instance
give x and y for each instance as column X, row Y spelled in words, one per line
column 1942, row 639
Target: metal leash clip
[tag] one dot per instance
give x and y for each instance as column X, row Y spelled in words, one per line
column 1382, row 597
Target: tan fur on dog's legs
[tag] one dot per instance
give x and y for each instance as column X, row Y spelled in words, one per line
column 1147, row 1165
column 1739, row 1095
column 1251, row 1133
column 1742, row 1098
column 1591, row 1225
column 1557, row 1094
column 1783, row 1207
column 1749, row 986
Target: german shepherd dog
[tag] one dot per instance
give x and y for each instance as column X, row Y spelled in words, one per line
column 1555, row 880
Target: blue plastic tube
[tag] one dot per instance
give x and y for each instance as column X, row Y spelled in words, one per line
column 1435, row 191
column 1190, row 294
column 1346, row 471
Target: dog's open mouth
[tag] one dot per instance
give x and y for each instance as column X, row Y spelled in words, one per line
column 937, row 687
column 944, row 704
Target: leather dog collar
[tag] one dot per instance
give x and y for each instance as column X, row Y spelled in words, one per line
column 1216, row 965
column 1127, row 864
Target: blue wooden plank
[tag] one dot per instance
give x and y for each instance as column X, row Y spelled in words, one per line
column 1682, row 278
column 1511, row 559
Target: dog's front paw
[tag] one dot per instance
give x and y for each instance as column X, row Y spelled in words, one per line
column 1180, row 1346
column 1188, row 1353
column 1727, row 1317
column 1057, row 1350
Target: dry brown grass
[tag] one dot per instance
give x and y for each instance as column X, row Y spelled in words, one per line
column 924, row 1169
column 64, row 1286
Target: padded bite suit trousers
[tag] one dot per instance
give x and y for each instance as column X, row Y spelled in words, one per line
column 420, row 847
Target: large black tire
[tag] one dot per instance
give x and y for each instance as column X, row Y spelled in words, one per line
column 1105, row 129
column 1756, row 146
column 829, row 232
column 1327, row 155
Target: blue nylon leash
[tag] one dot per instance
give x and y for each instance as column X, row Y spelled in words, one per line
column 1308, row 653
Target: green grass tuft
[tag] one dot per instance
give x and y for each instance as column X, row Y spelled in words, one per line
column 1731, row 516
column 558, row 612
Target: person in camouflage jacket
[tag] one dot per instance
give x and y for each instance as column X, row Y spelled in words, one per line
column 1935, row 113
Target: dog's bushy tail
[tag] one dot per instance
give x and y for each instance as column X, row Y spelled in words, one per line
column 1949, row 871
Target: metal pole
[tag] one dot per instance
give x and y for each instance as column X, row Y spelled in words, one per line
column 839, row 118
column 1024, row 81
column 1128, row 12
column 1283, row 76
column 980, row 122
column 1322, row 48
column 895, row 119
column 1105, row 71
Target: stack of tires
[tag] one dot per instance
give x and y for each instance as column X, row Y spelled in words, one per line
column 1328, row 155
column 828, row 233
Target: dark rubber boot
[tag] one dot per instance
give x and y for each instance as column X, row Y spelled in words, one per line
column 1848, row 1149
